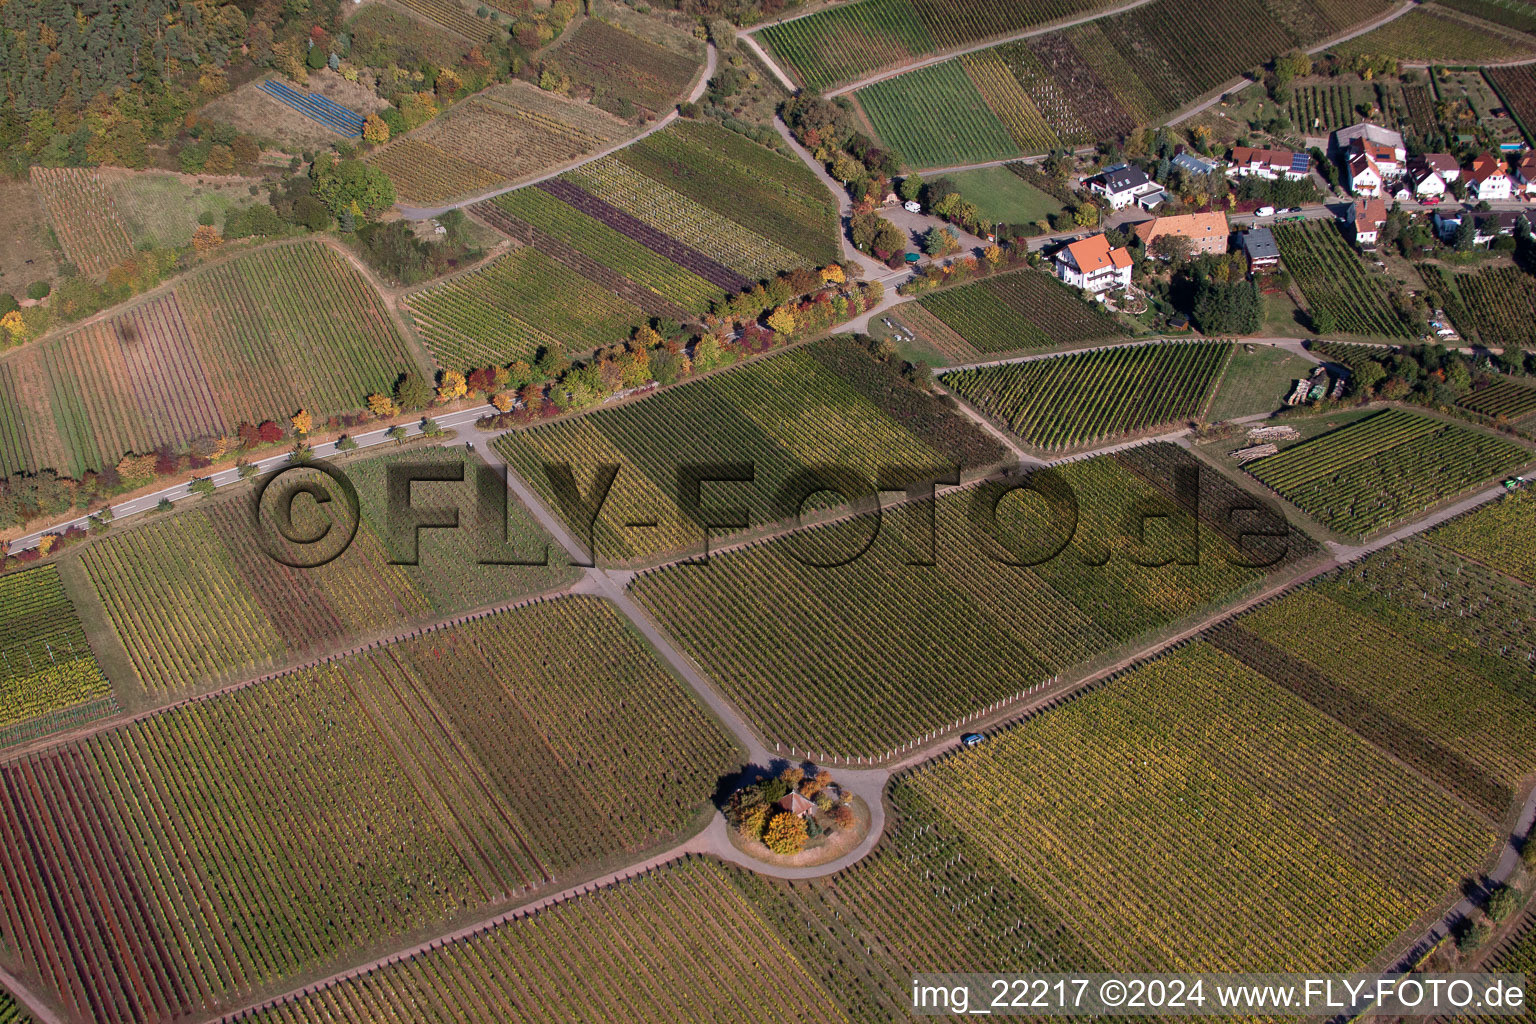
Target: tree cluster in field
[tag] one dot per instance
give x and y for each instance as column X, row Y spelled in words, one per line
column 395, row 252
column 994, row 259
column 662, row 352
column 1214, row 290
column 754, row 813
column 829, row 130
column 1429, row 375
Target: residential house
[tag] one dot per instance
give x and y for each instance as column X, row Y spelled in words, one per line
column 1263, row 253
column 1525, row 174
column 1382, row 144
column 1487, row 179
column 1362, row 176
column 1365, row 217
column 1193, row 163
column 1430, row 174
column 1092, row 265
column 1486, row 226
column 1124, row 184
column 1207, row 232
column 1268, row 163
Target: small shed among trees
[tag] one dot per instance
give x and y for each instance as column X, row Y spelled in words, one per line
column 796, row 804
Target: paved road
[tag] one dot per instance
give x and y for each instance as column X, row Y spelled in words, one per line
column 694, row 95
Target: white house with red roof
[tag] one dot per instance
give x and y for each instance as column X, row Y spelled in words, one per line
column 1267, row 163
column 1365, row 177
column 1487, row 179
column 1525, row 174
column 1366, row 216
column 1092, row 265
column 1430, row 174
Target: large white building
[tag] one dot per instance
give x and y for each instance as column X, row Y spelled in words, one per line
column 1092, row 265
column 1487, row 179
column 1124, row 184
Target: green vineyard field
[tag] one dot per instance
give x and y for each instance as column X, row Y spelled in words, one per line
column 951, row 637
column 48, row 673
column 827, row 404
column 1333, row 278
column 1074, row 400
column 1022, row 310
column 1381, row 470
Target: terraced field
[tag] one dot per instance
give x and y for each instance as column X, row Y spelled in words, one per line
column 1385, row 469
column 49, row 678
column 238, row 840
column 1082, row 399
column 521, row 303
column 195, row 597
column 827, row 404
column 250, row 339
column 1022, row 310
column 956, row 636
column 510, row 131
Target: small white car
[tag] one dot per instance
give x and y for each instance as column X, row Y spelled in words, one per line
column 1266, row 211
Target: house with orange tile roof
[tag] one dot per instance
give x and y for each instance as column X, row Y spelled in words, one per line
column 1207, row 232
column 1487, row 178
column 1093, row 265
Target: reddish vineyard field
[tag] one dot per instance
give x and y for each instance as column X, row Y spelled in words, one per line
column 84, row 217
column 250, row 339
column 234, row 841
column 620, row 67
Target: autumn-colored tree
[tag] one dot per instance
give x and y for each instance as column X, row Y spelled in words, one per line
column 782, row 320
column 452, row 386
column 786, row 833
column 136, row 469
column 994, row 254
column 833, row 273
column 14, row 326
column 750, row 825
column 647, row 338
column 842, row 815
column 532, row 396
column 503, row 401
column 815, row 784
column 382, row 406
column 375, row 130
column 46, row 542
column 635, row 369
column 269, row 432
column 245, row 149
column 302, row 422
column 482, row 381
column 792, row 776
column 206, row 238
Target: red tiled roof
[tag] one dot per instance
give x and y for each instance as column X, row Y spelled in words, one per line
column 1093, row 253
column 1245, row 155
column 1370, row 213
column 1191, row 225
